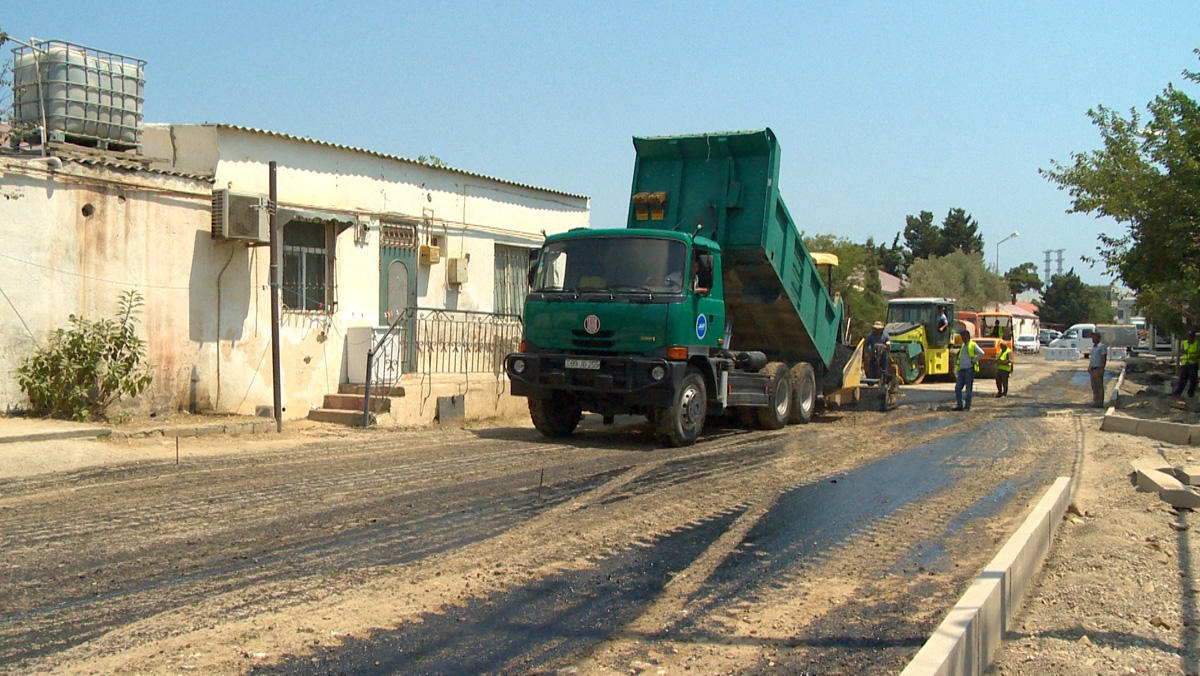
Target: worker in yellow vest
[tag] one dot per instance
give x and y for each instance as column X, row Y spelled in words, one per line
column 965, row 370
column 1189, row 363
column 1004, row 366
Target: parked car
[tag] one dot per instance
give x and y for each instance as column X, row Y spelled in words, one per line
column 1047, row 335
column 1027, row 343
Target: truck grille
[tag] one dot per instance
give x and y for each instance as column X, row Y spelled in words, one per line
column 601, row 340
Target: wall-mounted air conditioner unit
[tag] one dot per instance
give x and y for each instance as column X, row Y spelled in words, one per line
column 240, row 217
column 456, row 270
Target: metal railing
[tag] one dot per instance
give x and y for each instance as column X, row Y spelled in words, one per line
column 431, row 340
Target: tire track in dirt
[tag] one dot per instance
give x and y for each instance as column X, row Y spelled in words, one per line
column 234, row 554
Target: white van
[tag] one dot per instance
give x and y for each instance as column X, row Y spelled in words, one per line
column 1079, row 336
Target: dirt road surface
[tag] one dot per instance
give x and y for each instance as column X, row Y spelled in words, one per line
column 833, row 547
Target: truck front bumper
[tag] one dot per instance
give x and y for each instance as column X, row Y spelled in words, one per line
column 617, row 384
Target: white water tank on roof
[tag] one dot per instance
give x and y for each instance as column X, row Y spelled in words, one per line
column 81, row 94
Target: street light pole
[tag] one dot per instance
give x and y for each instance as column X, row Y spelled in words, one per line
column 1014, row 234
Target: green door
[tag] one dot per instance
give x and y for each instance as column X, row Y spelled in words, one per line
column 398, row 285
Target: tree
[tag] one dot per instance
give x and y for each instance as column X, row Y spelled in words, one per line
column 890, row 259
column 1146, row 177
column 922, row 237
column 958, row 232
column 957, row 275
column 1022, row 278
column 961, row 232
column 1067, row 300
column 855, row 278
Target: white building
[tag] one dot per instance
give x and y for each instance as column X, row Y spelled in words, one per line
column 367, row 238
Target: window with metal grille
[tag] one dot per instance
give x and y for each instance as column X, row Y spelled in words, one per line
column 512, row 268
column 307, row 276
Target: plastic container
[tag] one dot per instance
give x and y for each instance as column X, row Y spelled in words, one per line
column 84, row 94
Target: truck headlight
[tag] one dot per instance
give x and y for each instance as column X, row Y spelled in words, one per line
column 518, row 366
column 657, row 372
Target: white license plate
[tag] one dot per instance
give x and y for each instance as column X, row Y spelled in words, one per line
column 588, row 364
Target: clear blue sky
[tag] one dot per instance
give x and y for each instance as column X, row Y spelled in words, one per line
column 882, row 109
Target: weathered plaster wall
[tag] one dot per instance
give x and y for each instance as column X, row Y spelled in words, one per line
column 75, row 239
column 79, row 236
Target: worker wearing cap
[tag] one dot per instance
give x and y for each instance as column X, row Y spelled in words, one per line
column 964, row 374
column 877, row 363
column 1004, row 367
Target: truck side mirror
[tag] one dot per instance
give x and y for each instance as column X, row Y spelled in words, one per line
column 704, row 272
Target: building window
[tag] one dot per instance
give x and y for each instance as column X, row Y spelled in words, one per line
column 512, row 268
column 307, row 275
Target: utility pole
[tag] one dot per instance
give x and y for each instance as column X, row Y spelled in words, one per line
column 276, row 286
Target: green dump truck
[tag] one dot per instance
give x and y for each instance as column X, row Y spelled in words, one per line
column 706, row 304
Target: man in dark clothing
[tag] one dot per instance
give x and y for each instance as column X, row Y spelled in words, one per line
column 877, row 358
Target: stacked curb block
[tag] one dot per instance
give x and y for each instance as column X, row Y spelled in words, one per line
column 1170, row 432
column 966, row 641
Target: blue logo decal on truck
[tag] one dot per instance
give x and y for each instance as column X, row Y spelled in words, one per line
column 701, row 326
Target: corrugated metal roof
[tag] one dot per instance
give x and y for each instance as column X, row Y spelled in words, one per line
column 386, row 156
column 116, row 163
column 109, row 160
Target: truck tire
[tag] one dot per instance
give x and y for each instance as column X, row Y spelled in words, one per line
column 779, row 398
column 804, row 393
column 555, row 417
column 680, row 424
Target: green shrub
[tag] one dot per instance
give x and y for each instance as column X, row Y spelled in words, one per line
column 85, row 368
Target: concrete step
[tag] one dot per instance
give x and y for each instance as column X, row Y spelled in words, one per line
column 376, row 391
column 338, row 416
column 354, row 402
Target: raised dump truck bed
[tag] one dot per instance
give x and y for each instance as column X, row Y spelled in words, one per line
column 727, row 186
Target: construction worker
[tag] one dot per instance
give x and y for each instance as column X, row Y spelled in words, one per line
column 1004, row 367
column 967, row 367
column 1097, row 361
column 877, row 359
column 1189, row 364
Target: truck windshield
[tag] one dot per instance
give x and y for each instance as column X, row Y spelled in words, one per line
column 612, row 264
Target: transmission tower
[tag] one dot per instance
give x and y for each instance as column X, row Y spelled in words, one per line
column 1059, row 269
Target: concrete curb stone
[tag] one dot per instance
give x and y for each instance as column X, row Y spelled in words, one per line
column 234, row 428
column 1170, row 432
column 966, row 641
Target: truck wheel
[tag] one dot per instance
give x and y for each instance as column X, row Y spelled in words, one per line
column 804, row 388
column 555, row 417
column 680, row 425
column 779, row 398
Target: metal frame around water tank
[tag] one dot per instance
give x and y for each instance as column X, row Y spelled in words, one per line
column 80, row 94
